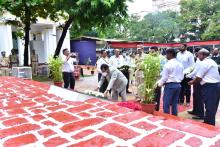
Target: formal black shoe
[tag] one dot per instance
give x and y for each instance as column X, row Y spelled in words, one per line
column 128, row 92
column 197, row 117
column 191, row 112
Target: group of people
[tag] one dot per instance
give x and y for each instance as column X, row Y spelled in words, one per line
column 7, row 63
column 181, row 71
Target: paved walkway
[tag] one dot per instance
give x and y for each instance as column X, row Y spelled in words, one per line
column 32, row 117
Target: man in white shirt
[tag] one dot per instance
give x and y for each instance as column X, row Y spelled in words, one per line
column 68, row 69
column 187, row 60
column 209, row 77
column 172, row 75
column 198, row 105
column 116, row 60
column 102, row 60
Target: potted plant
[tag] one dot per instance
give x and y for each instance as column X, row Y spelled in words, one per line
column 55, row 66
column 151, row 68
column 92, row 70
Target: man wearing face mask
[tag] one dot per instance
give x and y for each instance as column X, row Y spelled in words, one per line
column 117, row 82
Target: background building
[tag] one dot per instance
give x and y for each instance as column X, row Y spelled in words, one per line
column 44, row 36
column 163, row 5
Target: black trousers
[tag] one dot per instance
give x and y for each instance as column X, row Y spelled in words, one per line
column 69, row 80
column 211, row 97
column 104, row 85
column 198, row 104
column 157, row 95
column 185, row 91
column 126, row 74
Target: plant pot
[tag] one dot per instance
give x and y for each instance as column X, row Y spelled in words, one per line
column 92, row 72
column 88, row 67
column 59, row 84
column 148, row 108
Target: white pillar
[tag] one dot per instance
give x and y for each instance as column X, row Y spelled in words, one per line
column 6, row 43
column 21, row 51
column 49, row 42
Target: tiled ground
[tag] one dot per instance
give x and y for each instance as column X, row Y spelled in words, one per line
column 32, row 117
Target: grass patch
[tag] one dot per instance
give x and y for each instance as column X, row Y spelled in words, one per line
column 41, row 78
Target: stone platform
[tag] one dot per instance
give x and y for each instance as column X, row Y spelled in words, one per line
column 29, row 116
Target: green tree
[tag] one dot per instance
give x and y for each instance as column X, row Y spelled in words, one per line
column 83, row 15
column 198, row 17
column 28, row 11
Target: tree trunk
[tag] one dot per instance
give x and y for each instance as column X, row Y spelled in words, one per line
column 26, row 37
column 26, row 43
column 62, row 37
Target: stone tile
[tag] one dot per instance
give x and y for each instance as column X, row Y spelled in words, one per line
column 81, row 124
column 145, row 126
column 55, row 142
column 127, row 118
column 80, row 108
column 14, row 121
column 20, row 140
column 18, row 130
column 62, row 117
column 97, row 141
column 194, row 142
column 163, row 137
column 191, row 128
column 106, row 114
column 46, row 132
column 119, row 131
column 118, row 109
column 83, row 134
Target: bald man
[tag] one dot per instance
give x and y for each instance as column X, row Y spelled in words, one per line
column 209, row 78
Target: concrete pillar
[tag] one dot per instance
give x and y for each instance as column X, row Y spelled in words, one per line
column 21, row 51
column 6, row 43
column 50, row 42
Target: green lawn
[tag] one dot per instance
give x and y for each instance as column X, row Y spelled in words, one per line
column 41, row 78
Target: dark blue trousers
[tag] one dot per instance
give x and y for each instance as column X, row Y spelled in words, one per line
column 198, row 104
column 211, row 96
column 171, row 97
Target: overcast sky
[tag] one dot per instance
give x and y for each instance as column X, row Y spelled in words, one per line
column 140, row 5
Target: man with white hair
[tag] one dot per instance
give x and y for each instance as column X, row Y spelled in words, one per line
column 209, row 78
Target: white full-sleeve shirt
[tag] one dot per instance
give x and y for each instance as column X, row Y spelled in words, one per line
column 116, row 62
column 186, row 58
column 172, row 72
column 208, row 71
column 68, row 64
column 196, row 68
column 100, row 62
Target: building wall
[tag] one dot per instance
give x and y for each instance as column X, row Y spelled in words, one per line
column 85, row 49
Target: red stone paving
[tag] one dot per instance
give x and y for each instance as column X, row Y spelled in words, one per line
column 30, row 116
column 97, row 141
column 83, row 134
column 193, row 142
column 20, row 140
column 163, row 137
column 119, row 131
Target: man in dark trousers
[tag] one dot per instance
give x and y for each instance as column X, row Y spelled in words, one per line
column 186, row 58
column 209, row 78
column 198, row 105
column 172, row 75
column 68, row 69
